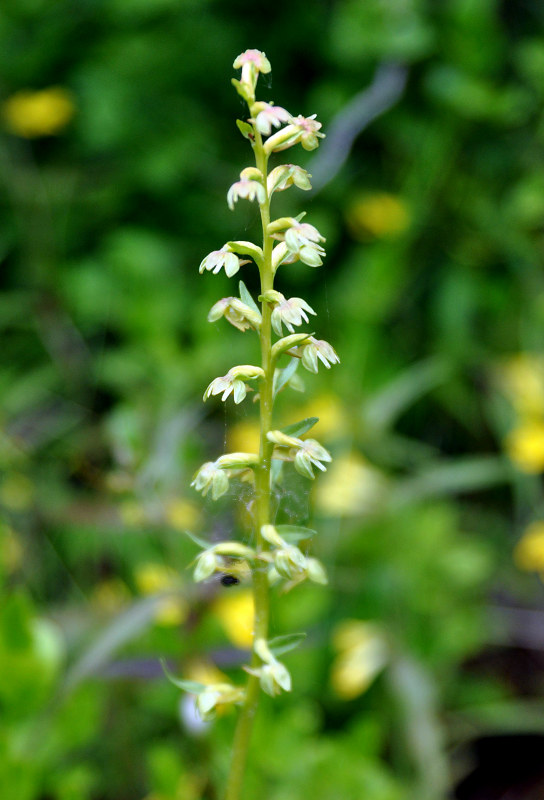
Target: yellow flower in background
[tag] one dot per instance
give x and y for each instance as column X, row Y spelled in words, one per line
column 133, row 514
column 524, row 445
column 521, row 378
column 110, row 595
column 529, row 551
column 236, row 612
column 182, row 515
column 152, row 578
column 332, row 416
column 244, row 437
column 362, row 654
column 377, row 215
column 204, row 672
column 38, row 113
column 351, row 486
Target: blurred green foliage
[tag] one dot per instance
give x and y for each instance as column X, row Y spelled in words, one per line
column 112, row 190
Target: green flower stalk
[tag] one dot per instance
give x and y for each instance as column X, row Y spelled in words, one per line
column 274, row 555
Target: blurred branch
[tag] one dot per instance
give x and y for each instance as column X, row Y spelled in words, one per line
column 382, row 94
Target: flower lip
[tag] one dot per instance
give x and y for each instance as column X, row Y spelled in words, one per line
column 318, row 349
column 217, row 259
column 248, row 189
column 233, row 383
column 290, row 312
column 257, row 58
column 308, row 124
column 270, row 116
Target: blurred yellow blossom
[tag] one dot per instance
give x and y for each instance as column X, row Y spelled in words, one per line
column 38, row 113
column 133, row 514
column 362, row 654
column 529, row 551
column 377, row 215
column 333, row 419
column 110, row 595
column 205, row 672
column 524, row 445
column 182, row 515
column 235, row 611
column 351, row 486
column 244, row 437
column 153, row 578
column 521, row 378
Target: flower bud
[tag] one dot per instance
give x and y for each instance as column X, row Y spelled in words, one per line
column 270, row 534
column 237, row 460
column 316, row 571
column 206, row 564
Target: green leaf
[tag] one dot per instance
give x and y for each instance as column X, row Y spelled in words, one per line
column 283, row 644
column 287, row 342
column 188, row 686
column 284, row 376
column 294, row 533
column 245, row 129
column 246, row 298
column 298, row 428
column 276, row 470
column 197, row 540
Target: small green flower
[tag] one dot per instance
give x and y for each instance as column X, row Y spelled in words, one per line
column 290, row 562
column 305, row 453
column 280, row 178
column 273, row 675
column 217, row 694
column 217, row 259
column 248, row 189
column 236, row 312
column 210, row 476
column 300, row 129
column 269, row 116
column 309, row 131
column 233, row 383
column 251, row 62
column 317, row 349
column 290, row 312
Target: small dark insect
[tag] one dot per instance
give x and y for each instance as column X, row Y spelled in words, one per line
column 229, row 580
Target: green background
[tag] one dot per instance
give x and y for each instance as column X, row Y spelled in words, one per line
column 432, row 283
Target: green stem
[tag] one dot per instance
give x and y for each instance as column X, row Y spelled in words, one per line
column 244, row 726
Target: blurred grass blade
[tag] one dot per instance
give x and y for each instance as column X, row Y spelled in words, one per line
column 120, row 631
column 383, row 409
column 461, row 475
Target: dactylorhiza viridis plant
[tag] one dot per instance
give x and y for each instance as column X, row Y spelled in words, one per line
column 271, row 554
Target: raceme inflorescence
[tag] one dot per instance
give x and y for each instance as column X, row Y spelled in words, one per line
column 272, row 554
